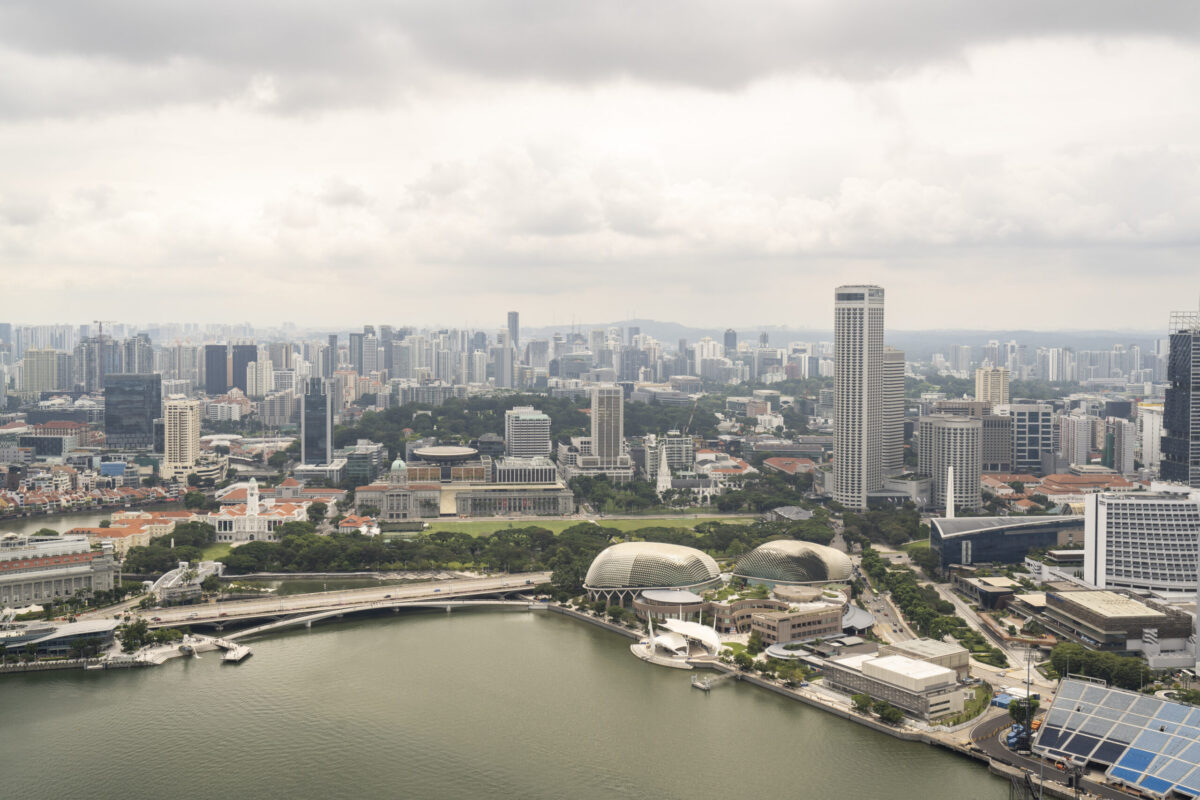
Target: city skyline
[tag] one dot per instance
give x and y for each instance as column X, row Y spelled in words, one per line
column 967, row 148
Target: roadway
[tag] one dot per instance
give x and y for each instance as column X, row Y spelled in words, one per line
column 986, row 736
column 235, row 610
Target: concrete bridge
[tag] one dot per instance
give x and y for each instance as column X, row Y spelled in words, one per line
column 311, row 607
column 395, row 605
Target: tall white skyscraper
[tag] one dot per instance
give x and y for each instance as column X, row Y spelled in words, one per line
column 991, row 385
column 858, row 394
column 608, row 424
column 181, row 429
column 893, row 411
column 526, row 432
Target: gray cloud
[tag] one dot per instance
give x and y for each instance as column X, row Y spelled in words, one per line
column 82, row 57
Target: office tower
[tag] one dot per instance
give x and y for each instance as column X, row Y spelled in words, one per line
column 1142, row 541
column 95, row 356
column 355, row 352
column 996, row 450
column 858, row 394
column 332, row 364
column 608, row 425
column 1032, row 435
column 131, row 404
column 316, row 423
column 893, row 411
column 633, row 332
column 1119, row 437
column 526, row 432
column 181, row 436
column 370, row 354
column 260, row 378
column 731, row 342
column 952, row 440
column 991, row 385
column 1075, row 437
column 502, row 366
column 240, row 357
column 1150, row 426
column 1181, row 411
column 960, row 358
column 216, row 369
column 514, row 330
column 387, row 337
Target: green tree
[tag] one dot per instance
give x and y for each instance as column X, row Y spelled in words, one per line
column 133, row 635
column 194, row 500
column 862, row 703
column 316, row 512
column 211, row 584
column 1022, row 710
column 743, row 660
column 754, row 645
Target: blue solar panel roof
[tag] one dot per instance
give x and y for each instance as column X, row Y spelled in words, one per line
column 1145, row 741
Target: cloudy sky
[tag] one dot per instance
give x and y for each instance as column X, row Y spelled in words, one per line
column 993, row 165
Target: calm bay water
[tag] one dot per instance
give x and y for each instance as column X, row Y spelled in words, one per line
column 434, row 705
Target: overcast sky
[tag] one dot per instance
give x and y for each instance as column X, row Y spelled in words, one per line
column 992, row 165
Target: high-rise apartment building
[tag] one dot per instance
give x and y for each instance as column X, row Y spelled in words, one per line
column 952, row 441
column 858, row 394
column 526, row 432
column 608, row 425
column 1120, row 436
column 1150, row 426
column 45, row 371
column 181, row 431
column 893, row 411
column 216, row 369
column 991, row 385
column 1143, row 541
column 1075, row 437
column 131, row 404
column 316, row 422
column 1181, row 411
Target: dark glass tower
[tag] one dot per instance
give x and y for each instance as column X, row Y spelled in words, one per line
column 131, row 404
column 242, row 355
column 1181, row 413
column 316, row 423
column 216, row 369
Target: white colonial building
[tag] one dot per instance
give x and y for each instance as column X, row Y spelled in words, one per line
column 257, row 519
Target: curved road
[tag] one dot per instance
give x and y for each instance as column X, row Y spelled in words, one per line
column 986, row 735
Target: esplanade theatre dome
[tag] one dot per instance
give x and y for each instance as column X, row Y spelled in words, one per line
column 646, row 565
column 790, row 561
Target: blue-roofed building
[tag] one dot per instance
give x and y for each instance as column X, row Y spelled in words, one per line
column 1147, row 743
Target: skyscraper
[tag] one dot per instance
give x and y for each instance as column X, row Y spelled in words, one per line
column 216, row 369
column 181, row 444
column 893, row 411
column 1032, row 435
column 241, row 356
column 991, row 385
column 356, row 352
column 316, row 423
column 331, row 364
column 608, row 424
column 858, row 394
column 526, row 432
column 131, row 404
column 1181, row 412
column 730, row 342
column 514, row 330
column 952, row 440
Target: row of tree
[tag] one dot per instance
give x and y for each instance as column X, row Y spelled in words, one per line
column 1127, row 672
